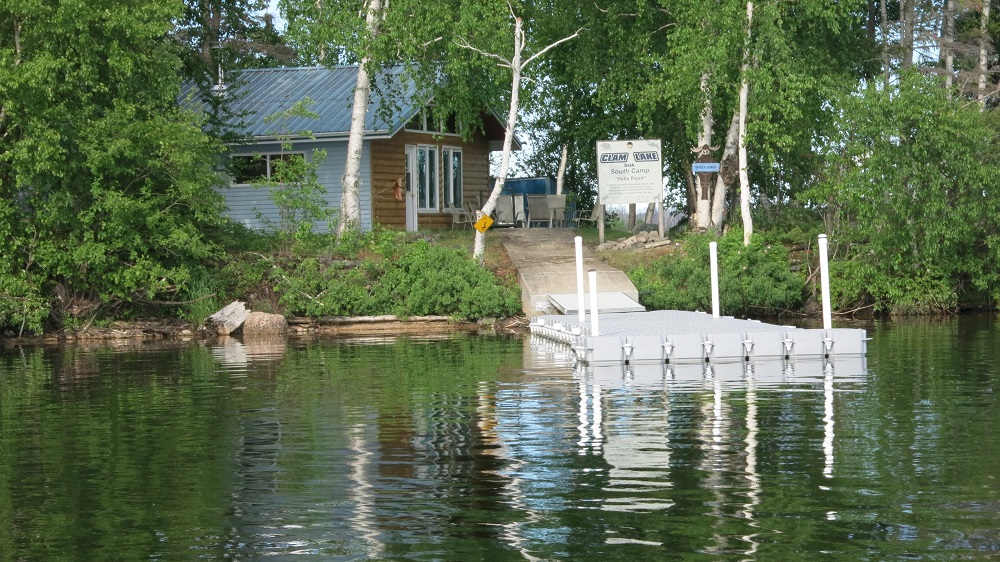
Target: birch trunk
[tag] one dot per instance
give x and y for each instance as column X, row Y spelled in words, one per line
column 350, row 200
column 516, row 65
column 728, row 165
column 322, row 46
column 983, row 39
column 479, row 248
column 744, row 179
column 561, row 174
column 703, row 203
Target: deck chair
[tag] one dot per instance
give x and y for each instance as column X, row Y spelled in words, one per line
column 557, row 209
column 462, row 218
column 584, row 215
column 506, row 212
column 538, row 211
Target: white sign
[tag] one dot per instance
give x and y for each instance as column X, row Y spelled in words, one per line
column 629, row 171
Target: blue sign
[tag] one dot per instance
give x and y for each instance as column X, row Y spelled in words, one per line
column 705, row 167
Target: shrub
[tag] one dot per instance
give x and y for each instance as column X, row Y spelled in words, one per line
column 752, row 279
column 386, row 272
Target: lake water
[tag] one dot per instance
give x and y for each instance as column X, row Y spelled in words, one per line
column 498, row 448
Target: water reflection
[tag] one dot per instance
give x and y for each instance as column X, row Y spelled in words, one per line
column 628, row 413
column 490, row 448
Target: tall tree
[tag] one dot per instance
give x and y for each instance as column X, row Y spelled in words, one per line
column 106, row 192
column 350, row 201
column 910, row 188
column 219, row 38
column 517, row 63
column 984, row 43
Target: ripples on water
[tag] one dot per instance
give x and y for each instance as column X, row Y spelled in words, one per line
column 497, row 449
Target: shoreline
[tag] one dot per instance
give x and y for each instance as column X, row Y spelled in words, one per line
column 340, row 326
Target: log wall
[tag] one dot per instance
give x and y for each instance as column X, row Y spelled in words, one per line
column 388, row 165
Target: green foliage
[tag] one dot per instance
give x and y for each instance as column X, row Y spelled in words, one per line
column 375, row 273
column 293, row 184
column 107, row 186
column 911, row 196
column 754, row 279
column 202, row 297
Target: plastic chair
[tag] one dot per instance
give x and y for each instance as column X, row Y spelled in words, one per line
column 584, row 215
column 538, row 211
column 557, row 209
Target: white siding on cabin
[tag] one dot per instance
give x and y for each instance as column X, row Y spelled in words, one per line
column 248, row 204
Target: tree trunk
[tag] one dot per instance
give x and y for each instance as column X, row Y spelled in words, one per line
column 728, row 172
column 906, row 10
column 650, row 213
column 322, row 47
column 350, row 200
column 744, row 179
column 516, row 66
column 561, row 174
column 947, row 41
column 630, row 225
column 984, row 38
column 886, row 59
column 479, row 248
column 701, row 220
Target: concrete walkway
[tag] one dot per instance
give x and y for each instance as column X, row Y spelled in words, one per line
column 546, row 264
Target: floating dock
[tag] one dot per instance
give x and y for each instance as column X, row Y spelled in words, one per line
column 670, row 336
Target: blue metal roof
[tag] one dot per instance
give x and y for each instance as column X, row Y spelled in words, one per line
column 259, row 93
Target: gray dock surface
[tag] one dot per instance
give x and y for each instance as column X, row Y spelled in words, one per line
column 546, row 266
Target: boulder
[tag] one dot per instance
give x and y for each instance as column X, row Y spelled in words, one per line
column 264, row 323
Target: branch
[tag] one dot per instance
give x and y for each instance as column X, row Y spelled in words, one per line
column 605, row 11
column 431, row 42
column 465, row 45
column 551, row 46
column 17, row 42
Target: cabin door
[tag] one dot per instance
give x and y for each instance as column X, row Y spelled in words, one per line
column 411, row 190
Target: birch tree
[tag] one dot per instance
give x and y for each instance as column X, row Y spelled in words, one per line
column 744, row 95
column 350, row 201
column 517, row 63
column 983, row 67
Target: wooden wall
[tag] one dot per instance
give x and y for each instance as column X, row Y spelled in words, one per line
column 388, row 164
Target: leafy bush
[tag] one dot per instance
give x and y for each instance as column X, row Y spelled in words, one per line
column 752, row 279
column 386, row 272
column 858, row 283
column 910, row 191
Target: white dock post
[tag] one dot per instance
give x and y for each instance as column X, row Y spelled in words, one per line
column 593, row 303
column 582, row 308
column 713, row 252
column 824, row 274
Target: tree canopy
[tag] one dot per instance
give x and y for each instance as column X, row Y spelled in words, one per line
column 875, row 121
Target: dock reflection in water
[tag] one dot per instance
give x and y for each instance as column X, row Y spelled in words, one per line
column 469, row 448
column 625, row 417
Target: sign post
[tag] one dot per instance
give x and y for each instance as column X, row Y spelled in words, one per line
column 629, row 171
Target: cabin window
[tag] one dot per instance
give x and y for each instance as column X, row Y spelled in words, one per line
column 452, row 168
column 426, row 122
column 427, row 178
column 252, row 168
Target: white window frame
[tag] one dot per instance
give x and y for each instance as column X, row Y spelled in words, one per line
column 426, row 178
column 452, row 186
